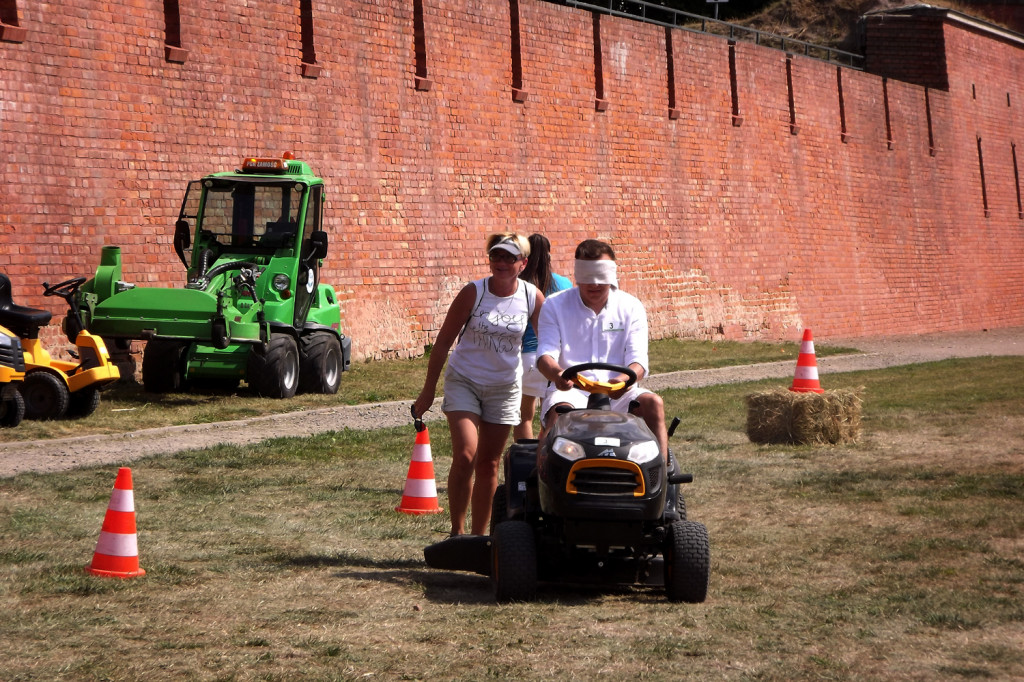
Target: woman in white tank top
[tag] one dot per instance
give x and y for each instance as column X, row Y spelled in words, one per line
column 483, row 382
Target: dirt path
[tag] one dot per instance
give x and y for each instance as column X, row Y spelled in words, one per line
column 68, row 453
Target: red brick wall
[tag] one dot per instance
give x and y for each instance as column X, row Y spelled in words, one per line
column 726, row 222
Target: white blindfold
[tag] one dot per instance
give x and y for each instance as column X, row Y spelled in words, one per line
column 596, row 272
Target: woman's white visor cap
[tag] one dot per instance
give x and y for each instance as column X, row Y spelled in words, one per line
column 507, row 244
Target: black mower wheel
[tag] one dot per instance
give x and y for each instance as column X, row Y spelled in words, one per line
column 320, row 364
column 499, row 506
column 687, row 562
column 12, row 410
column 162, row 366
column 514, row 562
column 681, row 506
column 84, row 402
column 46, row 396
column 273, row 372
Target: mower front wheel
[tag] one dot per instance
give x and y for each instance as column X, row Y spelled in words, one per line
column 46, row 395
column 687, row 562
column 12, row 410
column 273, row 372
column 514, row 562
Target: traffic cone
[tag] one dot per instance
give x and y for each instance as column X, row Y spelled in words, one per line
column 117, row 552
column 805, row 379
column 420, row 494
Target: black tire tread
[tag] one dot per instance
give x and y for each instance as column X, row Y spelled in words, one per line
column 162, row 370
column 687, row 562
column 320, row 363
column 84, row 402
column 12, row 411
column 514, row 562
column 46, row 395
column 273, row 372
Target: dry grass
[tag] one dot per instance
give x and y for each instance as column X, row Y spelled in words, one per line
column 898, row 557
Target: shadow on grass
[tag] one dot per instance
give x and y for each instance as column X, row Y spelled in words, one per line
column 439, row 586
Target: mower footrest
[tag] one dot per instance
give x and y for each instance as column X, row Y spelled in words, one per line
column 461, row 553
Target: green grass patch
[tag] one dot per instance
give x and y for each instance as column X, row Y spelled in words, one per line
column 894, row 558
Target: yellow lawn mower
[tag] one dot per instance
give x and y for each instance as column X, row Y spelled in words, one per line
column 55, row 389
column 12, row 373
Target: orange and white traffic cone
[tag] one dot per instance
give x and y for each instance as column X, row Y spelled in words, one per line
column 117, row 552
column 805, row 379
column 420, row 493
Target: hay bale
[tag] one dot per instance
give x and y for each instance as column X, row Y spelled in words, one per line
column 783, row 416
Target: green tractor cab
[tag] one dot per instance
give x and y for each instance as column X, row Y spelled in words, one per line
column 252, row 308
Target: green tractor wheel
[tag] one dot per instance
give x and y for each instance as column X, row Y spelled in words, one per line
column 320, row 365
column 162, row 366
column 46, row 395
column 273, row 371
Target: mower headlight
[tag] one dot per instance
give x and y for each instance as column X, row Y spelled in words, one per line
column 281, row 283
column 568, row 449
column 642, row 453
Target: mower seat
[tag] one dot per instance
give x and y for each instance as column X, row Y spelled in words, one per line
column 25, row 322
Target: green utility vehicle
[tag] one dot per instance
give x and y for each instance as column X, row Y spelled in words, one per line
column 253, row 307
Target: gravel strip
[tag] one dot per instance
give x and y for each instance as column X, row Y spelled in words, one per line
column 121, row 449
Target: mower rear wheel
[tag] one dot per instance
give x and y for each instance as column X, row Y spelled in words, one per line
column 12, row 410
column 84, row 402
column 687, row 562
column 162, row 366
column 514, row 562
column 273, row 372
column 320, row 364
column 46, row 395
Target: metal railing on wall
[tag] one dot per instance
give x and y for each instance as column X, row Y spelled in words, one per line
column 674, row 18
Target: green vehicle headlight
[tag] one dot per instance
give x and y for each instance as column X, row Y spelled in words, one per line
column 281, row 283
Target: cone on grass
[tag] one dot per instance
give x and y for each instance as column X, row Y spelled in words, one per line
column 117, row 551
column 805, row 379
column 420, row 493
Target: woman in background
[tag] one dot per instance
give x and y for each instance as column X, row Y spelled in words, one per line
column 538, row 273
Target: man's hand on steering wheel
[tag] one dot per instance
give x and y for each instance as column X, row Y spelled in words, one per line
column 613, row 388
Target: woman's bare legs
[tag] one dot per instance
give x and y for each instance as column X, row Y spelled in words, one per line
column 526, row 411
column 476, row 448
column 463, row 427
column 488, row 459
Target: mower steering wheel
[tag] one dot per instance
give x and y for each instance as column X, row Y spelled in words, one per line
column 593, row 386
column 64, row 289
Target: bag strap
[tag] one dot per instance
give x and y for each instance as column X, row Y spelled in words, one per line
column 480, row 288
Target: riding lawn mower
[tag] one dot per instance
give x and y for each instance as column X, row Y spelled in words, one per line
column 595, row 502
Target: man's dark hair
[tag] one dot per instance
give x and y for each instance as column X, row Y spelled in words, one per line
column 593, row 249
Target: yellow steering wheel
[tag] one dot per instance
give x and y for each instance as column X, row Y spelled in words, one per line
column 595, row 386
